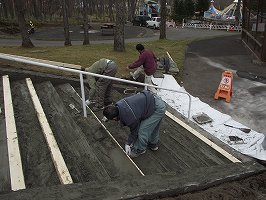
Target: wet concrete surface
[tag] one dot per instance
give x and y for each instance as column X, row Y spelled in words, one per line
column 38, row 168
column 108, row 153
column 79, row 156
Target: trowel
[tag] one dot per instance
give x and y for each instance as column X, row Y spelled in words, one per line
column 73, row 107
column 245, row 130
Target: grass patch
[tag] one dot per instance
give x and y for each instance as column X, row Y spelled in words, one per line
column 87, row 55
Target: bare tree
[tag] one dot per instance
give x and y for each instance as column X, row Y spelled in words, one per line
column 110, row 10
column 4, row 8
column 66, row 23
column 163, row 20
column 238, row 15
column 20, row 12
column 131, row 9
column 36, row 8
column 85, row 24
column 119, row 35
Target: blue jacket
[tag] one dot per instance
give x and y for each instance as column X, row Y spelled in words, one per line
column 134, row 109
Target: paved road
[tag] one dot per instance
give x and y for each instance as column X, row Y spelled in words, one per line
column 54, row 36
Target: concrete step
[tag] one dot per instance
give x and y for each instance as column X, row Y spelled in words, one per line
column 111, row 156
column 79, row 155
column 38, row 166
column 178, row 151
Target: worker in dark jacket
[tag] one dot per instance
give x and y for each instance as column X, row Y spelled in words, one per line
column 142, row 113
column 101, row 88
column 147, row 62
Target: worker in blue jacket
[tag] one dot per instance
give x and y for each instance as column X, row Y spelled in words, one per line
column 142, row 113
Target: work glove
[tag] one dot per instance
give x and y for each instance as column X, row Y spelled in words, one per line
column 104, row 119
column 128, row 149
column 87, row 102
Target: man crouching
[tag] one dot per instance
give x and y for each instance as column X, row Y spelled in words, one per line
column 142, row 113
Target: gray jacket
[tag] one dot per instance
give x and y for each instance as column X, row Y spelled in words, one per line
column 98, row 68
column 134, row 109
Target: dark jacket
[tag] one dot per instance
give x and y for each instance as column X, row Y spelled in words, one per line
column 134, row 109
column 148, row 60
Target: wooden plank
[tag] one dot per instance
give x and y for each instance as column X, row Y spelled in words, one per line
column 204, row 139
column 59, row 163
column 15, row 165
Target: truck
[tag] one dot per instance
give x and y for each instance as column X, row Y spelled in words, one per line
column 154, row 22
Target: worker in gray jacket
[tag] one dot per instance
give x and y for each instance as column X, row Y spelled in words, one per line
column 142, row 113
column 101, row 88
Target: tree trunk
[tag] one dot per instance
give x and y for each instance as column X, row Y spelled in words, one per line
column 163, row 20
column 131, row 9
column 66, row 24
column 238, row 15
column 85, row 24
column 36, row 7
column 110, row 10
column 20, row 13
column 119, row 35
column 4, row 8
column 9, row 4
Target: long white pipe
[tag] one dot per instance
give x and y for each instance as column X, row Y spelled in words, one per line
column 12, row 58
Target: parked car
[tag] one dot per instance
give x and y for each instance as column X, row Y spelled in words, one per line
column 154, row 22
column 140, row 20
column 170, row 24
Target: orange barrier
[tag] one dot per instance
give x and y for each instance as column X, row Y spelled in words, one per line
column 225, row 88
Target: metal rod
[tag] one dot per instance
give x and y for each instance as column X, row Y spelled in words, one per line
column 83, row 94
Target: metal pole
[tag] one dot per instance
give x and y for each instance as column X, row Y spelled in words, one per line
column 83, row 95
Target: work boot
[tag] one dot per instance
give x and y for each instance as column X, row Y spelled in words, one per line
column 135, row 153
column 153, row 147
column 90, row 102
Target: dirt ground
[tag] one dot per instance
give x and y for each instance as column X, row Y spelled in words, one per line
column 252, row 188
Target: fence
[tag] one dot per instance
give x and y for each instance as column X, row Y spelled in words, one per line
column 212, row 26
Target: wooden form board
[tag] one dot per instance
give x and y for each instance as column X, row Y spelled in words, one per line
column 204, row 139
column 15, row 165
column 58, row 160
